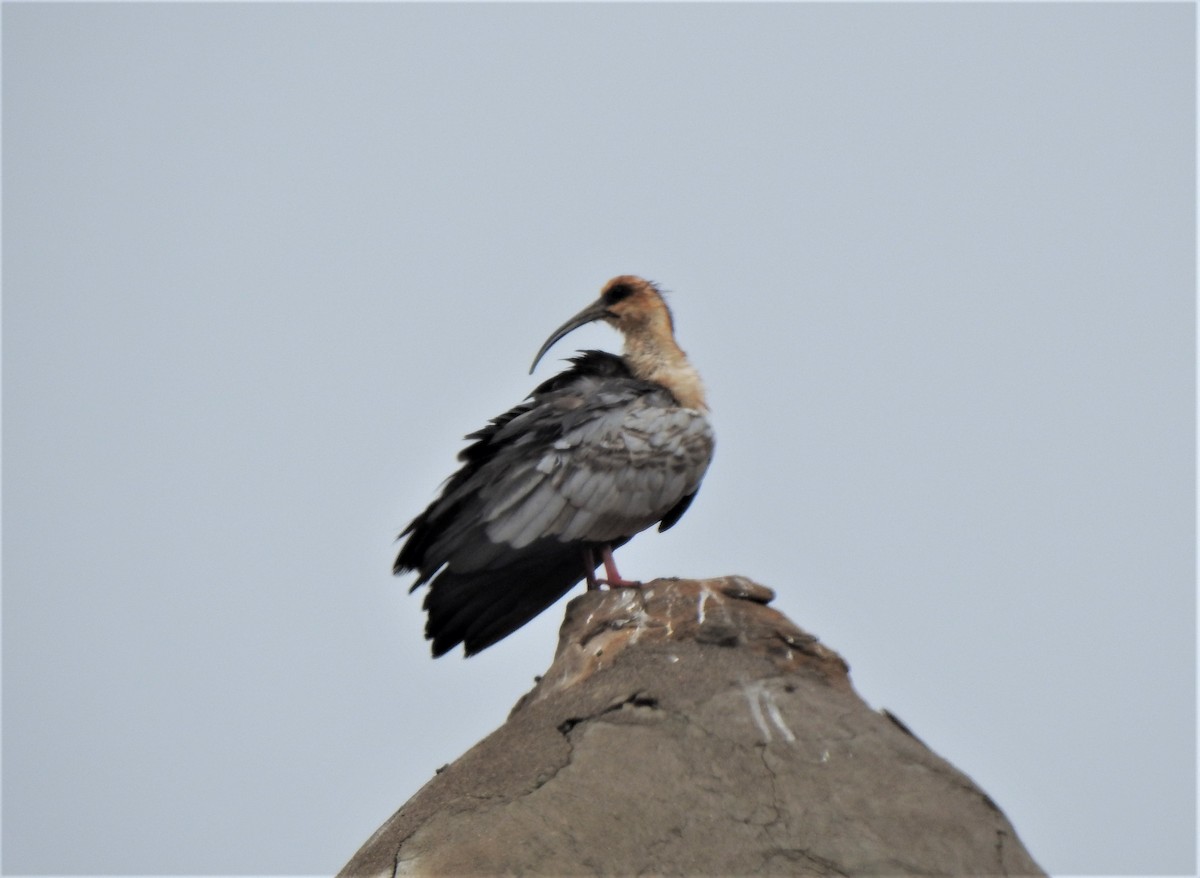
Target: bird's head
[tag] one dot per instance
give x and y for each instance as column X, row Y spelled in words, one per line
column 628, row 303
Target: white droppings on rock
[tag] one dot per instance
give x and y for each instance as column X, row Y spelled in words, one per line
column 768, row 699
column 752, row 691
column 702, row 601
column 760, row 697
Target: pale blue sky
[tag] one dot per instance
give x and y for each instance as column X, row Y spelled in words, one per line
column 265, row 265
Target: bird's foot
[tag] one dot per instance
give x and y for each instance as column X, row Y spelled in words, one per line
column 612, row 577
column 620, row 583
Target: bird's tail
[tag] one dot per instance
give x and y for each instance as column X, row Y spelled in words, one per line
column 480, row 607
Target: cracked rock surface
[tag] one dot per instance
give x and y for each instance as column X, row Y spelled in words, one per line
column 687, row 728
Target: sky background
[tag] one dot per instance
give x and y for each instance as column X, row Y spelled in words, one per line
column 265, row 265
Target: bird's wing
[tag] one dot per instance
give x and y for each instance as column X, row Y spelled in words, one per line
column 594, row 455
column 594, row 464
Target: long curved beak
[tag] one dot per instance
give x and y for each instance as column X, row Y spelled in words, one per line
column 595, row 311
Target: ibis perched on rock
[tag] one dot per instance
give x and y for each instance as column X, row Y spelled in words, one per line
column 546, row 491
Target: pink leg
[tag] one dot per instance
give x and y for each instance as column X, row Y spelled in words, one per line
column 613, row 578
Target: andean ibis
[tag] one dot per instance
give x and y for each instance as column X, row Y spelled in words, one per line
column 547, row 490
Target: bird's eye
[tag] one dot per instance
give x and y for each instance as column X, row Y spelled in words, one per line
column 616, row 293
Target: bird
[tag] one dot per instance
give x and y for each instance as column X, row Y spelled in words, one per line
column 547, row 490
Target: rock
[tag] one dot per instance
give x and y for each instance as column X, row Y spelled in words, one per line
column 686, row 728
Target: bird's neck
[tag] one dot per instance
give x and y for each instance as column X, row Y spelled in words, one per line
column 656, row 357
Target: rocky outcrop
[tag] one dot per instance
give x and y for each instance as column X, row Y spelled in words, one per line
column 686, row 728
